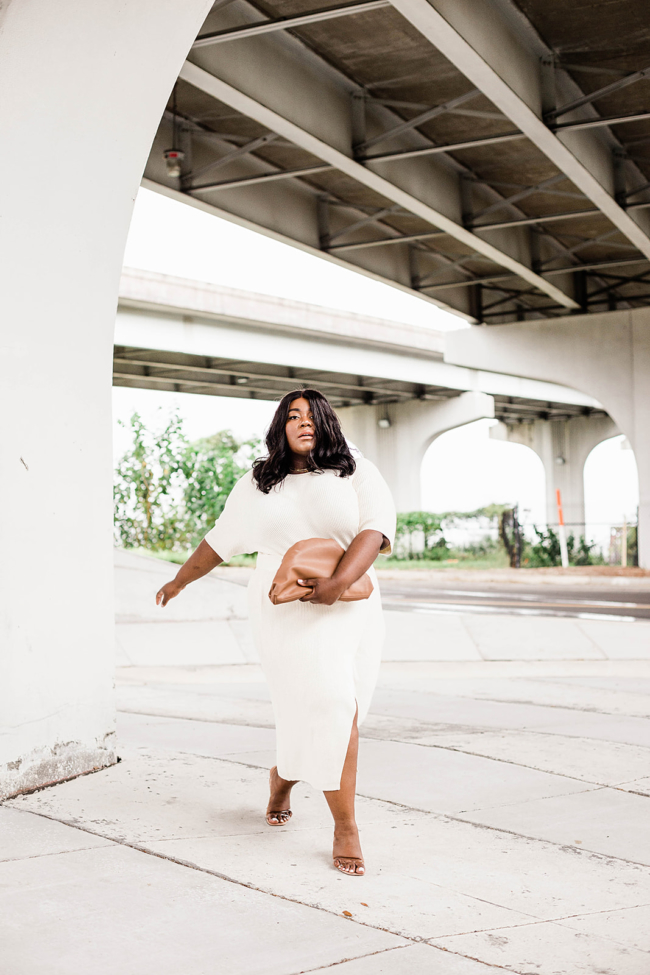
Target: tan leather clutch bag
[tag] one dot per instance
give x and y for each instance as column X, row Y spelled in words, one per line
column 313, row 558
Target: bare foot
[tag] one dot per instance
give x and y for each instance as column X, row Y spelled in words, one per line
column 278, row 812
column 347, row 854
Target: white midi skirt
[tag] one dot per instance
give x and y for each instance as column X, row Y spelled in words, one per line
column 321, row 664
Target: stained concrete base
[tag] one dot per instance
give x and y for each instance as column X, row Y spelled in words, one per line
column 504, row 811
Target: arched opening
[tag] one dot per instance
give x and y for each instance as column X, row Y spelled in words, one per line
column 611, row 492
column 464, row 469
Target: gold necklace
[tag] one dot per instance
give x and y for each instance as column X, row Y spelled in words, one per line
column 303, row 470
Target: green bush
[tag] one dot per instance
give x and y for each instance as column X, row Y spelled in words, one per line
column 546, row 551
column 169, row 492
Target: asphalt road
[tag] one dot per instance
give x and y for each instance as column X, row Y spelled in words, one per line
column 513, row 599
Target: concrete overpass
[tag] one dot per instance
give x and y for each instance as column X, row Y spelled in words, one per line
column 488, row 155
column 392, row 388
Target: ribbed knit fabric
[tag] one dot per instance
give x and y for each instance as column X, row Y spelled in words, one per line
column 320, row 661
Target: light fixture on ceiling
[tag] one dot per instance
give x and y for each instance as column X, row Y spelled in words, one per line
column 174, row 157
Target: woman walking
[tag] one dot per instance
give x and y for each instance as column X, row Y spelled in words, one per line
column 320, row 655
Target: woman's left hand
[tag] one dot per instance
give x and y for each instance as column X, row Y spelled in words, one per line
column 325, row 591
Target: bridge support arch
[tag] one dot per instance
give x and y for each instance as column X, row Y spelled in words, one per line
column 88, row 83
column 395, row 436
column 605, row 355
column 563, row 447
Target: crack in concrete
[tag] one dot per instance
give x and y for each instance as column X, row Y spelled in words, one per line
column 371, row 954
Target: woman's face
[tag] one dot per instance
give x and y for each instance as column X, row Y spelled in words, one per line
column 300, row 428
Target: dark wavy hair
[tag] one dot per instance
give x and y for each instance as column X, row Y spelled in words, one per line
column 330, row 452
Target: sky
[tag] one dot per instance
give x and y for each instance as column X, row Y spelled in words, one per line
column 173, row 238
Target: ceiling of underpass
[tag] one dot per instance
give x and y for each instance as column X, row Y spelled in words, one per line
column 289, row 130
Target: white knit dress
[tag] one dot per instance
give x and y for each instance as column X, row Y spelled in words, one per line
column 320, row 661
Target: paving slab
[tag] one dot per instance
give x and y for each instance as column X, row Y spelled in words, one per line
column 619, row 641
column 119, row 910
column 546, row 692
column 210, row 738
column 204, row 702
column 505, row 637
column 627, row 927
column 550, row 949
column 427, row 874
column 610, row 763
column 468, row 713
column 424, row 636
column 194, row 642
column 413, row 960
column 608, row 821
column 451, row 782
column 24, row 835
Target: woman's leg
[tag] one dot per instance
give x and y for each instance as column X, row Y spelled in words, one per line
column 278, row 811
column 347, row 848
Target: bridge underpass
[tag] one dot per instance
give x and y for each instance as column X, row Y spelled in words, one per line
column 532, row 206
column 188, row 337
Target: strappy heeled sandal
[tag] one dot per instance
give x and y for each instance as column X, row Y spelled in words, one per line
column 357, row 861
column 282, row 815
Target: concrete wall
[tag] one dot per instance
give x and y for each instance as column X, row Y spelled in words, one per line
column 85, row 84
column 606, row 355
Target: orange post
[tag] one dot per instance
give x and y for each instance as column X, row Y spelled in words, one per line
column 564, row 552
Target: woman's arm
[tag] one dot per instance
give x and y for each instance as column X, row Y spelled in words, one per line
column 200, row 562
column 359, row 557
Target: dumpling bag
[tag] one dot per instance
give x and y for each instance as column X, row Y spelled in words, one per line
column 313, row 558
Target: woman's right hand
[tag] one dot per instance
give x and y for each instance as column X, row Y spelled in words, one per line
column 167, row 592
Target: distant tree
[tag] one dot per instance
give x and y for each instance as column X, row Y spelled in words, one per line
column 423, row 525
column 211, row 468
column 168, row 492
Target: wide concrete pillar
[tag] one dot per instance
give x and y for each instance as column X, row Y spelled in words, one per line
column 396, row 436
column 605, row 355
column 563, row 447
column 84, row 83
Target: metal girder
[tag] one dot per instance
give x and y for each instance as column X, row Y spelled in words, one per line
column 595, row 95
column 420, row 119
column 373, row 218
column 570, row 269
column 278, row 121
column 520, row 195
column 398, row 239
column 490, row 140
column 493, row 59
column 588, row 242
column 230, row 184
column 229, row 157
column 597, row 123
column 286, row 23
column 363, row 384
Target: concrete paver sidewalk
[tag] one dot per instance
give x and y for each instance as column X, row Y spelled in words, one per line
column 504, row 822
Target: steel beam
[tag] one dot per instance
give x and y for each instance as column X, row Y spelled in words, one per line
column 570, row 269
column 491, row 140
column 286, row 23
column 493, row 59
column 571, row 106
column 398, row 239
column 237, row 153
column 277, row 121
column 420, row 119
column 272, row 177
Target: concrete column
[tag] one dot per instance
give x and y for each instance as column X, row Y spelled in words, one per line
column 84, row 83
column 605, row 355
column 399, row 447
column 563, row 447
